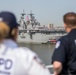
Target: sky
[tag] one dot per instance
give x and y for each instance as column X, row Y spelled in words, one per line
column 45, row 11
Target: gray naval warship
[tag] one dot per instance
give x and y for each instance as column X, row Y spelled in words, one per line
column 31, row 31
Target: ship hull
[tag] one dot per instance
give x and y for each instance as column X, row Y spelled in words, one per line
column 38, row 38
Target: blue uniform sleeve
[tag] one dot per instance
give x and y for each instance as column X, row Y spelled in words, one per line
column 59, row 52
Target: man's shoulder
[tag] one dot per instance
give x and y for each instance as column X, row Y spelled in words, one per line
column 64, row 38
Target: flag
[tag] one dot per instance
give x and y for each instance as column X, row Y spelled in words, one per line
column 27, row 18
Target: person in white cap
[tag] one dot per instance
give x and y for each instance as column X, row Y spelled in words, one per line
column 16, row 60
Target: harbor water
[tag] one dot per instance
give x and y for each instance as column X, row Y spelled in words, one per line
column 44, row 51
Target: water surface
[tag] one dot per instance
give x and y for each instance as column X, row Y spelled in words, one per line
column 44, row 51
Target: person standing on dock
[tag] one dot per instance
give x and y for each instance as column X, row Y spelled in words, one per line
column 16, row 60
column 64, row 56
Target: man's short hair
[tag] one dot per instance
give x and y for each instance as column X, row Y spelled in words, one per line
column 70, row 19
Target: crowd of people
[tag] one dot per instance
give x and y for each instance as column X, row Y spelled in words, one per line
column 16, row 60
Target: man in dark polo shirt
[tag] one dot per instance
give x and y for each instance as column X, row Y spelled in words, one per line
column 64, row 56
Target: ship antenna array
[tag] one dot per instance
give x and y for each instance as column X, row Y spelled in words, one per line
column 31, row 14
column 23, row 14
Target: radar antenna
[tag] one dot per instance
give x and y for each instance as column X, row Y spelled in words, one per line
column 22, row 22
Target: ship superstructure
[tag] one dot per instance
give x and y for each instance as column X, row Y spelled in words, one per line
column 30, row 30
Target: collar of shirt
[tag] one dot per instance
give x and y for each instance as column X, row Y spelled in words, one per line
column 10, row 43
column 2, row 47
column 73, row 31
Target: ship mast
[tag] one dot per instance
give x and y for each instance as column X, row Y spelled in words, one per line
column 22, row 21
column 33, row 21
column 22, row 15
column 31, row 18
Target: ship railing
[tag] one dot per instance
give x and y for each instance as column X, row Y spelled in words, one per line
column 50, row 67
